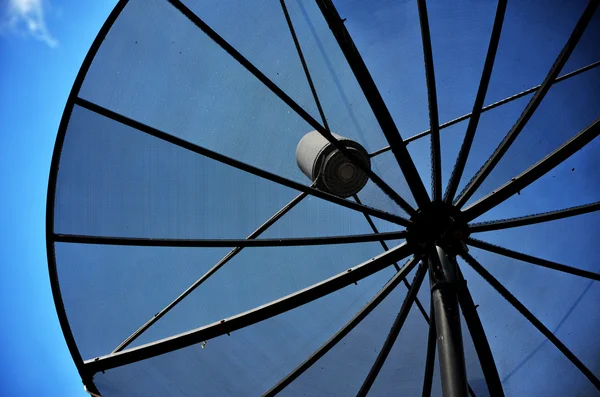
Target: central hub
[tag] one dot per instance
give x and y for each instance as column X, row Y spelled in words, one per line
column 437, row 224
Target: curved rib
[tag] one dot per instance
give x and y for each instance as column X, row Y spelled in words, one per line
column 221, row 42
column 309, row 79
column 262, row 228
column 430, row 356
column 434, row 122
column 241, row 243
column 250, row 317
column 482, row 346
column 532, row 319
column 531, row 107
column 486, row 74
column 373, row 97
column 238, row 164
column 534, row 218
column 394, row 331
column 490, row 107
column 345, row 330
column 532, row 259
column 529, row 176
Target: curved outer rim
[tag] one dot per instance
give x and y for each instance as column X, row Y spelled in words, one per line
column 86, row 376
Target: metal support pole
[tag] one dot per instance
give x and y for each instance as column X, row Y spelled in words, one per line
column 447, row 323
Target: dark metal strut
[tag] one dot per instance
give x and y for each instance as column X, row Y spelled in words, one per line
column 533, row 259
column 230, row 255
column 482, row 347
column 263, row 242
column 532, row 319
column 434, row 122
column 531, row 107
column 380, row 110
column 430, row 357
column 345, row 330
column 443, row 273
column 533, row 219
column 244, row 62
column 489, row 107
column 394, row 331
column 529, row 176
column 238, row 164
column 309, row 79
column 461, row 160
column 249, row 317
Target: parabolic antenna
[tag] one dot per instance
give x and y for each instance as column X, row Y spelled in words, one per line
column 332, row 198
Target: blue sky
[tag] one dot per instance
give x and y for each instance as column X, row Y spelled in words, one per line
column 42, row 44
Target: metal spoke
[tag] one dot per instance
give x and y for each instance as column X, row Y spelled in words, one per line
column 262, row 228
column 349, row 326
column 375, row 230
column 531, row 107
column 535, row 172
column 434, row 122
column 271, row 242
column 533, row 259
column 373, row 97
column 534, row 89
column 482, row 346
column 313, row 90
column 489, row 107
column 461, row 160
column 250, row 317
column 221, row 42
column 394, row 331
column 430, row 360
column 239, row 164
column 534, row 218
column 386, row 248
column 529, row 316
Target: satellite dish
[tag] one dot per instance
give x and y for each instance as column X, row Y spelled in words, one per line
column 238, row 189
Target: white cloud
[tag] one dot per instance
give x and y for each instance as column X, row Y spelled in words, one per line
column 26, row 17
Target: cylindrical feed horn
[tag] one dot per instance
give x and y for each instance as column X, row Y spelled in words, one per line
column 320, row 161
